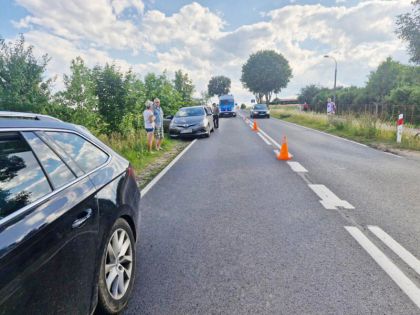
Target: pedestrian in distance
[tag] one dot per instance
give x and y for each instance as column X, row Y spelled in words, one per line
column 330, row 107
column 158, row 113
column 216, row 112
column 149, row 124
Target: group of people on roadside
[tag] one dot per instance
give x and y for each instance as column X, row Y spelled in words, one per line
column 153, row 123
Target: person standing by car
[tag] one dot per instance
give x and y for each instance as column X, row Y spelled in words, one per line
column 158, row 113
column 216, row 112
column 149, row 124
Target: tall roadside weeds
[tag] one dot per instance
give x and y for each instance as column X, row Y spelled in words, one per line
column 364, row 128
column 133, row 147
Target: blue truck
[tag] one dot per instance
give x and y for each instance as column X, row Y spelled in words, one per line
column 227, row 106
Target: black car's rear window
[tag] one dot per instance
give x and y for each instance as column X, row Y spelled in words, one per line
column 85, row 154
column 22, row 180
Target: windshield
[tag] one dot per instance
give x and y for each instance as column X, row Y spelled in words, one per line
column 260, row 106
column 190, row 111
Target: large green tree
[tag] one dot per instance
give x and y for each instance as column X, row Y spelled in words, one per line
column 184, row 86
column 408, row 28
column 111, row 92
column 218, row 85
column 266, row 72
column 383, row 79
column 161, row 87
column 22, row 84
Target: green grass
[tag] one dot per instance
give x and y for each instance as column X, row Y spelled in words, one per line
column 133, row 147
column 365, row 129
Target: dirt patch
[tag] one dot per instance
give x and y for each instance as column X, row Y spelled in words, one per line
column 413, row 155
column 150, row 171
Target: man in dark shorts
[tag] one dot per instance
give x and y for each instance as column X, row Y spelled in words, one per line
column 216, row 112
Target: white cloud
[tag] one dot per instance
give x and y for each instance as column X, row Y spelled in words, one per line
column 194, row 39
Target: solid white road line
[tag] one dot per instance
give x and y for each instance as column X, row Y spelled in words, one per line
column 393, row 154
column 297, row 167
column 271, row 139
column 328, row 199
column 264, row 139
column 387, row 265
column 146, row 189
column 404, row 254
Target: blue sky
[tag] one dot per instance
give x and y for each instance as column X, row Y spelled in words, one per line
column 211, row 37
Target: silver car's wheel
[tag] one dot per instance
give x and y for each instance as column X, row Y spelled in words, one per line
column 118, row 264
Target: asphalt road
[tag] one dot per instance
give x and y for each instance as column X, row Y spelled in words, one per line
column 229, row 229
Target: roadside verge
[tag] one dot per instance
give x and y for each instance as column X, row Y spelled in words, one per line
column 364, row 131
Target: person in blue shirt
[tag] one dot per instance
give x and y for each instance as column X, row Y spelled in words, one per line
column 158, row 113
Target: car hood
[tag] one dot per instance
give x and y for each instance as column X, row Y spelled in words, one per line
column 191, row 120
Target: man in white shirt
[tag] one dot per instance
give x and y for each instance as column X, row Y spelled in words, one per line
column 330, row 107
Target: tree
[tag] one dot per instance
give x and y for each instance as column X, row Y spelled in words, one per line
column 184, row 86
column 308, row 93
column 408, row 29
column 218, row 85
column 22, row 87
column 266, row 72
column 383, row 79
column 161, row 87
column 111, row 96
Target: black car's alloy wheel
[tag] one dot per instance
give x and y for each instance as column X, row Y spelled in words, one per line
column 117, row 269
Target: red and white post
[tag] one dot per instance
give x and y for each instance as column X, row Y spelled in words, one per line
column 400, row 123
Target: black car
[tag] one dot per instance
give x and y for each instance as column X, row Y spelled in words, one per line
column 192, row 121
column 259, row 110
column 69, row 214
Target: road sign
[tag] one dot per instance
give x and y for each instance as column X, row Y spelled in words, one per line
column 400, row 124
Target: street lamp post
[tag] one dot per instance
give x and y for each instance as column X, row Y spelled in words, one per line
column 335, row 75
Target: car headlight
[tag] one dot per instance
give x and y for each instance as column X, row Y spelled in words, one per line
column 255, row 112
column 268, row 112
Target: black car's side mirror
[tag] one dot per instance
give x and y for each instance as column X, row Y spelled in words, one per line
column 169, row 117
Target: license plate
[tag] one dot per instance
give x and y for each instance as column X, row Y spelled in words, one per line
column 186, row 130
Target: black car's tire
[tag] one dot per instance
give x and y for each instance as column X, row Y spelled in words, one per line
column 107, row 304
column 268, row 116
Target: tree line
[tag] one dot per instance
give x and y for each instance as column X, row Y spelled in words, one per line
column 102, row 98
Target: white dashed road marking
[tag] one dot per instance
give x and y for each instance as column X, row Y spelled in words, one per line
column 387, row 265
column 328, row 199
column 297, row 167
column 404, row 254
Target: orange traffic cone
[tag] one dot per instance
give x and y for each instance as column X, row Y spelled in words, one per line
column 255, row 126
column 284, row 154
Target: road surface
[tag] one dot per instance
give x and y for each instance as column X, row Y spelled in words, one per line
column 229, row 229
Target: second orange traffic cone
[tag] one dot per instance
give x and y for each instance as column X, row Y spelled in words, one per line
column 284, row 154
column 255, row 126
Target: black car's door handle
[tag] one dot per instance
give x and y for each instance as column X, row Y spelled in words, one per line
column 83, row 217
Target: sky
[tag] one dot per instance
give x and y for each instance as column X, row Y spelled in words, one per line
column 212, row 37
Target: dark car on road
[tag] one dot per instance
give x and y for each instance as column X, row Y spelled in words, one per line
column 259, row 110
column 192, row 121
column 69, row 214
